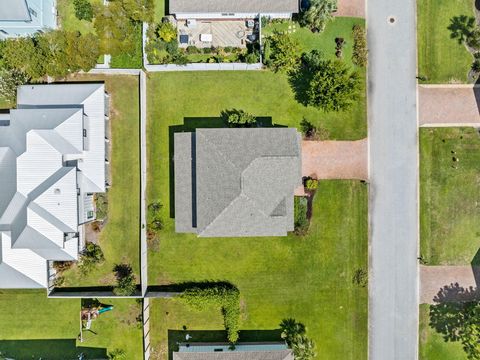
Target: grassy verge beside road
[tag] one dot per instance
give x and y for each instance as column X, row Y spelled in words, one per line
column 309, row 278
column 441, row 59
column 449, row 207
column 120, row 237
column 39, row 327
column 432, row 346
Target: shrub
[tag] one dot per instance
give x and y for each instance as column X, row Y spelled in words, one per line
column 117, row 354
column 167, row 32
column 9, row 81
column 238, row 118
column 83, row 10
column 224, row 296
column 251, row 58
column 311, row 184
column 101, row 206
column 476, row 66
column 360, row 278
column 311, row 132
column 360, row 52
column 126, row 283
column 154, row 219
column 89, row 257
column 61, row 266
column 192, row 50
column 228, row 49
column 301, row 222
column 207, row 50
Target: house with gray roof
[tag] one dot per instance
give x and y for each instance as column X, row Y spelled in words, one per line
column 242, row 351
column 238, row 9
column 52, row 161
column 236, row 182
column 26, row 17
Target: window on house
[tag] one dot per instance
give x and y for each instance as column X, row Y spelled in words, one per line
column 84, row 132
column 90, row 215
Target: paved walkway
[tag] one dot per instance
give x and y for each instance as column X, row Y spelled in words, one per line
column 352, row 8
column 449, row 105
column 393, row 150
column 335, row 159
column 448, row 283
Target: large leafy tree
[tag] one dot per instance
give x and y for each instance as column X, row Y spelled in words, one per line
column 333, row 85
column 318, row 14
column 115, row 29
column 83, row 10
column 22, row 54
column 458, row 321
column 284, row 52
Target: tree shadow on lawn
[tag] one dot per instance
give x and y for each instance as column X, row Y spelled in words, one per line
column 219, row 336
column 48, row 349
column 190, row 124
column 460, row 27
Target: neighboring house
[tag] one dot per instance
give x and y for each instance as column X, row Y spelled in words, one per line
column 236, row 182
column 228, row 9
column 25, row 17
column 242, row 351
column 52, row 161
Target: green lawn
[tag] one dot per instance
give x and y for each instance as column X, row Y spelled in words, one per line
column 39, row 327
column 324, row 41
column 432, row 346
column 133, row 59
column 161, row 7
column 440, row 58
column 120, row 237
column 450, row 200
column 308, row 278
column 68, row 20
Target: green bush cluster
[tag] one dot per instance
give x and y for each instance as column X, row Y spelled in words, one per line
column 101, row 206
column 162, row 45
column 318, row 13
column 360, row 52
column 311, row 132
column 281, row 52
column 295, row 335
column 90, row 257
column 300, row 209
column 311, row 184
column 238, row 118
column 227, row 298
column 83, row 10
column 126, row 283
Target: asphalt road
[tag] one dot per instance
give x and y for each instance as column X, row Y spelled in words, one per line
column 393, row 155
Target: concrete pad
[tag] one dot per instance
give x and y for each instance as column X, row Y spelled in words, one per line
column 448, row 105
column 335, row 159
column 448, row 283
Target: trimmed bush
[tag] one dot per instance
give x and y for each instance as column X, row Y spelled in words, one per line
column 227, row 298
column 83, row 10
column 360, row 52
column 89, row 257
column 238, row 118
column 301, row 222
column 311, row 184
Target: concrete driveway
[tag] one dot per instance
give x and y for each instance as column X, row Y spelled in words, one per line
column 448, row 283
column 448, row 105
column 335, row 159
column 351, row 8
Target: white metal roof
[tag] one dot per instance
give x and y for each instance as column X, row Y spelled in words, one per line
column 42, row 152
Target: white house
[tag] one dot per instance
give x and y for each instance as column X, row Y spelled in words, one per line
column 26, row 17
column 52, row 161
column 228, row 9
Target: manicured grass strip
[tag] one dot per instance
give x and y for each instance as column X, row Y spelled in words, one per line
column 432, row 346
column 449, row 208
column 441, row 59
column 37, row 327
column 120, row 237
column 308, row 278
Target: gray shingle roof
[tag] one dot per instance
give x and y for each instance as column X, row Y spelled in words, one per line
column 236, row 182
column 14, row 10
column 234, row 355
column 239, row 6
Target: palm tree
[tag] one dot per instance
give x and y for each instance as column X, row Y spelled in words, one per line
column 318, row 14
column 291, row 329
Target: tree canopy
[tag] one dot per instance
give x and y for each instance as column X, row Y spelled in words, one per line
column 283, row 52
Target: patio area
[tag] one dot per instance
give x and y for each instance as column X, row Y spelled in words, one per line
column 216, row 33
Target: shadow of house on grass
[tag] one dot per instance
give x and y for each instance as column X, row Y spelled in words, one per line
column 218, row 336
column 190, row 124
column 54, row 349
column 476, row 268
